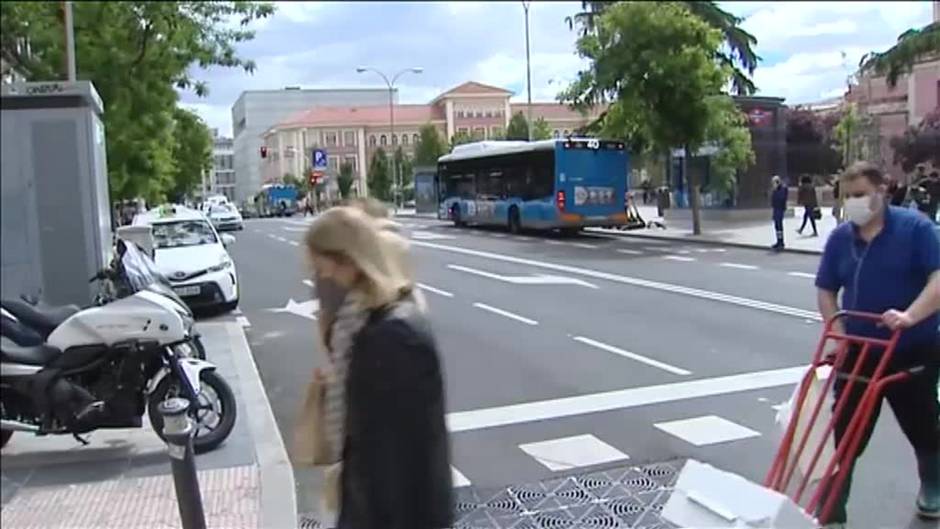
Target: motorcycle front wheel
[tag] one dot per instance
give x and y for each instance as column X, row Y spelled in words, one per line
column 215, row 417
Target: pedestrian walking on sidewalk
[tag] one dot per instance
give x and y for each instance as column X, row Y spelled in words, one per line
column 394, row 444
column 806, row 197
column 886, row 260
column 778, row 201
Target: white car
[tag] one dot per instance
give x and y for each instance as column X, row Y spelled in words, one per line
column 192, row 255
column 225, row 217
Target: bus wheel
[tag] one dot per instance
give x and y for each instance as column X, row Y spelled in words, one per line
column 515, row 225
column 455, row 215
column 570, row 232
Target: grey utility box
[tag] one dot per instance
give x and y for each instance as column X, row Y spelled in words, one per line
column 55, row 212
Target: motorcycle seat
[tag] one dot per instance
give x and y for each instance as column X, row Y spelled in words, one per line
column 34, row 355
column 42, row 319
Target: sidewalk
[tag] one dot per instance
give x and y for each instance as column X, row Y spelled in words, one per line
column 122, row 478
column 749, row 234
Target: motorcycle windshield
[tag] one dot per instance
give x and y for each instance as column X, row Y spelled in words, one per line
column 138, row 270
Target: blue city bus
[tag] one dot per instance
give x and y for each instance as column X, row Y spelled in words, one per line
column 276, row 200
column 566, row 184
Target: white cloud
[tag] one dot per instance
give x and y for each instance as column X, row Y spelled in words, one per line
column 300, row 12
column 510, row 71
column 807, row 77
column 215, row 116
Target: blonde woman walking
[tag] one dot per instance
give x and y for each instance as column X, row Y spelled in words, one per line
column 385, row 410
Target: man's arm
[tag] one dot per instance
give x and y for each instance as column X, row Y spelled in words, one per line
column 926, row 304
column 828, row 307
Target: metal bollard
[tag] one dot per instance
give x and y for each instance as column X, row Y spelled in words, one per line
column 178, row 429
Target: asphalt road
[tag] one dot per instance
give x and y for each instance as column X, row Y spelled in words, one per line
column 563, row 354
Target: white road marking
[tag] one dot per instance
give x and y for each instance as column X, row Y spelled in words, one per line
column 458, row 479
column 711, row 250
column 498, row 235
column 293, row 243
column 739, row 266
column 629, row 252
column 237, row 312
column 585, row 245
column 429, row 236
column 554, row 242
column 243, row 321
column 679, row 258
column 802, row 274
column 656, row 249
column 540, row 279
column 634, row 281
column 437, row 291
column 572, row 452
column 464, row 421
column 521, row 238
column 308, row 282
column 286, row 228
column 706, row 430
column 304, row 309
column 272, row 236
column 633, row 356
column 505, row 313
column 282, row 239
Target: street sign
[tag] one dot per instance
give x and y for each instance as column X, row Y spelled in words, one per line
column 319, row 159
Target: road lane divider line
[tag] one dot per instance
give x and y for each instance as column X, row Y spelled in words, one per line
column 272, row 236
column 621, row 399
column 521, row 238
column 739, row 266
column 308, row 282
column 293, row 243
column 554, row 242
column 243, row 321
column 585, row 245
column 282, row 239
column 680, row 258
column 629, row 252
column 656, row 249
column 437, row 291
column 505, row 313
column 633, row 356
column 499, row 235
column 802, row 274
column 633, row 281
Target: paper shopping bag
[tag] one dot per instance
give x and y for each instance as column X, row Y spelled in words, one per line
column 310, row 446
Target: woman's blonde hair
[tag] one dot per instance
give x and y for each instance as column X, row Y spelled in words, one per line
column 349, row 234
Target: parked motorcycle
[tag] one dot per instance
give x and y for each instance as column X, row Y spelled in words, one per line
column 26, row 322
column 104, row 365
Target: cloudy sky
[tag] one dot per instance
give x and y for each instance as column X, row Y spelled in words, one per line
column 808, row 48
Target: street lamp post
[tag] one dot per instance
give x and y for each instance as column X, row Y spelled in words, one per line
column 391, row 119
column 528, row 69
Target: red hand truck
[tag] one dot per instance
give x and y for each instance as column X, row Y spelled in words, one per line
column 837, row 469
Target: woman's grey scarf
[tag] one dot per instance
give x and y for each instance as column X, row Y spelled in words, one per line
column 350, row 318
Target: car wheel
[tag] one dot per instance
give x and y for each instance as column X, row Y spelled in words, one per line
column 230, row 306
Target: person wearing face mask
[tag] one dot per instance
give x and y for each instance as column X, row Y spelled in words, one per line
column 778, row 201
column 393, row 442
column 886, row 260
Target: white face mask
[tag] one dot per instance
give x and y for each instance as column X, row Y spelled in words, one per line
column 859, row 211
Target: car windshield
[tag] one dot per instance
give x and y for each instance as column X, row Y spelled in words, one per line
column 221, row 209
column 183, row 233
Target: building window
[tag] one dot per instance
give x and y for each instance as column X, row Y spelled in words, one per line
column 331, row 139
column 372, row 140
column 333, row 162
column 394, row 139
column 383, row 140
column 463, row 130
column 460, row 113
column 556, row 133
column 349, row 138
column 479, row 113
column 415, row 139
column 498, row 113
column 489, row 113
column 479, row 133
column 404, row 139
column 567, row 133
column 352, row 161
column 496, row 132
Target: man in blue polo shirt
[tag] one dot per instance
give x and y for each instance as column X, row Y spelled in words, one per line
column 886, row 260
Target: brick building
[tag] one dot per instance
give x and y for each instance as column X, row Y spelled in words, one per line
column 351, row 134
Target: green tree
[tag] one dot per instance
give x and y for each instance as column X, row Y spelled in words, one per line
column 727, row 131
column 665, row 92
column 345, row 180
column 541, row 130
column 192, row 153
column 737, row 53
column 913, row 45
column 137, row 54
column 406, row 170
column 518, row 128
column 380, row 179
column 302, row 185
column 430, row 147
column 461, row 138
